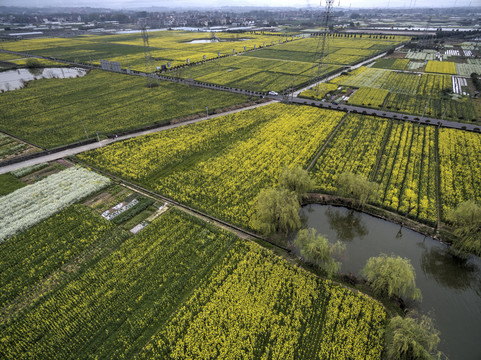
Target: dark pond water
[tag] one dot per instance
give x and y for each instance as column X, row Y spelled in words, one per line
column 451, row 288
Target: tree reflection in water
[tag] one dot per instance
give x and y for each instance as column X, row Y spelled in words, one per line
column 347, row 225
column 450, row 270
column 35, row 71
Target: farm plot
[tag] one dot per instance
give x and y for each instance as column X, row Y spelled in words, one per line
column 10, row 147
column 448, row 108
column 407, row 171
column 169, row 291
column 319, row 92
column 32, row 260
column 255, row 305
column 31, row 204
column 251, row 73
column 393, row 64
column 426, row 94
column 421, row 55
column 460, row 167
column 467, row 69
column 368, row 97
column 55, row 112
column 403, row 83
column 9, row 183
column 442, row 67
column 221, row 165
column 415, row 65
column 354, row 148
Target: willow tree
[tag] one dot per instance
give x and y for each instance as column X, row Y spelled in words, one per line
column 277, row 211
column 317, row 250
column 411, row 338
column 391, row 275
column 296, row 179
column 466, row 218
column 357, row 187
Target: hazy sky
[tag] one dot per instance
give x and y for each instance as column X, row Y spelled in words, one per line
column 216, row 3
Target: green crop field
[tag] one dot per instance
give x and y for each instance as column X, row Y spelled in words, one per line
column 417, row 94
column 54, row 112
column 9, row 183
column 460, row 167
column 288, row 64
column 404, row 152
column 221, row 165
column 167, row 292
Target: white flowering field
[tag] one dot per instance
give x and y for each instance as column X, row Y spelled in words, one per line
column 33, row 203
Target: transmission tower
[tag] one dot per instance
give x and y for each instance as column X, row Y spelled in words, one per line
column 322, row 49
column 149, row 62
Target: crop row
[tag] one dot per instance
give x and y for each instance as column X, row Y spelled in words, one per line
column 110, row 309
column 407, row 172
column 443, row 67
column 416, row 94
column 397, row 82
column 460, row 167
column 180, row 287
column 33, row 203
column 369, row 97
column 256, row 306
column 406, row 163
column 393, row 64
column 55, row 112
column 37, row 253
column 354, row 148
column 217, row 168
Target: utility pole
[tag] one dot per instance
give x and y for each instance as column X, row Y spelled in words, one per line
column 322, row 49
column 149, row 63
column 82, row 122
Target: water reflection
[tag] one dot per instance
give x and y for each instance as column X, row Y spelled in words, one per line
column 347, row 225
column 16, row 79
column 35, row 71
column 449, row 270
column 451, row 287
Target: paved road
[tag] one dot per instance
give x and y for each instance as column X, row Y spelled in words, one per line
column 386, row 114
column 95, row 145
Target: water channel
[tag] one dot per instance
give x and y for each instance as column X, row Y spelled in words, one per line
column 207, row 41
column 451, row 288
column 15, row 79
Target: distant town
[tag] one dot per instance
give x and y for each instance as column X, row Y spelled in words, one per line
column 23, row 22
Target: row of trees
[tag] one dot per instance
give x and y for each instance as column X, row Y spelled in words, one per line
column 410, row 337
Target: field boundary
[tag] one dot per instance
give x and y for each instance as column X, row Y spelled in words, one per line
column 192, row 211
column 437, row 176
column 318, row 154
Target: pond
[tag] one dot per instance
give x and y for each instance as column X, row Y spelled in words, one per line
column 14, row 79
column 451, row 288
